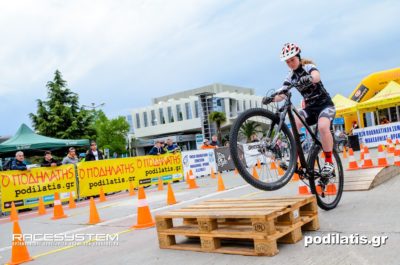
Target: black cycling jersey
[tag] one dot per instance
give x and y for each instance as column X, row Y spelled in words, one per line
column 315, row 94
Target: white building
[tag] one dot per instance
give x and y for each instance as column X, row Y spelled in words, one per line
column 182, row 115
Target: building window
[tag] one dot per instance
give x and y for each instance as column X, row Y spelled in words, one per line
column 153, row 118
column 188, row 111
column 130, row 121
column 170, row 116
column 196, row 108
column 179, row 112
column 137, row 121
column 237, row 106
column 146, row 124
column 256, row 104
column 251, row 105
column 162, row 118
column 244, row 104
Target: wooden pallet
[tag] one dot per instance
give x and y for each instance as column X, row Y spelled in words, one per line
column 234, row 226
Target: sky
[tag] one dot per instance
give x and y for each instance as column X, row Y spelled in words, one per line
column 124, row 53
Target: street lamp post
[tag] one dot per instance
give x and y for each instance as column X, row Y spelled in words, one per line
column 93, row 106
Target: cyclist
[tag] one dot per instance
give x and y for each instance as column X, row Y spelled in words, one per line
column 319, row 107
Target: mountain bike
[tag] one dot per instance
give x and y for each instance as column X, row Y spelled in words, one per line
column 264, row 155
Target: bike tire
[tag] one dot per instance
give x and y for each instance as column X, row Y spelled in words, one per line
column 234, row 150
column 339, row 188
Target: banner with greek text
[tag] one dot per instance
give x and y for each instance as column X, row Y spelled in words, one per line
column 115, row 175
column 199, row 161
column 377, row 135
column 25, row 187
column 150, row 168
column 112, row 175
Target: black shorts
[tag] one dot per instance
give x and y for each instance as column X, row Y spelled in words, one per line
column 313, row 113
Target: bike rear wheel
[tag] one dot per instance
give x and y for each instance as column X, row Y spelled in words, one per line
column 256, row 161
column 328, row 192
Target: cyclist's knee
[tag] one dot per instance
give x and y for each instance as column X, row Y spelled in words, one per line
column 324, row 125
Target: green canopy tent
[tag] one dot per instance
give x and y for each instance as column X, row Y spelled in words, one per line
column 26, row 139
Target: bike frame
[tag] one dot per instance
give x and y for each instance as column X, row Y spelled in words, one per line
column 288, row 109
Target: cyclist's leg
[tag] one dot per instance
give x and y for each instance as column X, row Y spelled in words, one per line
column 324, row 124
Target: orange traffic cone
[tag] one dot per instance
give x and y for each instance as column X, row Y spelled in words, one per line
column 280, row 171
column 367, row 159
column 382, row 161
column 144, row 218
column 258, row 164
column 212, row 173
column 330, row 189
column 221, row 186
column 171, row 196
column 397, row 154
column 72, row 204
column 58, row 211
column 19, row 251
column 273, row 165
column 160, row 184
column 255, row 174
column 390, row 148
column 322, row 154
column 102, row 197
column 41, row 207
column 303, row 188
column 192, row 181
column 344, row 152
column 352, row 161
column 94, row 217
column 131, row 189
column 14, row 213
column 295, row 177
column 362, row 153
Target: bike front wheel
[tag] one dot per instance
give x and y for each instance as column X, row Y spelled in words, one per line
column 262, row 165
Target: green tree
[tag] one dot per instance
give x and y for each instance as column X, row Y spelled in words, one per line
column 60, row 115
column 248, row 129
column 112, row 133
column 219, row 118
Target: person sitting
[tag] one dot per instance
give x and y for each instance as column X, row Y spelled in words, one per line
column 171, row 147
column 49, row 161
column 157, row 149
column 206, row 145
column 71, row 157
column 19, row 162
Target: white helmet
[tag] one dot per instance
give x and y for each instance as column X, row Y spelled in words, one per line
column 289, row 50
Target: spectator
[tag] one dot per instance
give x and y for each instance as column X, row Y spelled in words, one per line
column 171, row 147
column 115, row 155
column 206, row 145
column 18, row 163
column 71, row 157
column 49, row 161
column 355, row 125
column 93, row 154
column 214, row 141
column 157, row 149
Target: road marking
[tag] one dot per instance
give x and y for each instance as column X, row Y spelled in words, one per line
column 133, row 215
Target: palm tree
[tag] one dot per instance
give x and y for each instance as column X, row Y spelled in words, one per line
column 219, row 118
column 249, row 128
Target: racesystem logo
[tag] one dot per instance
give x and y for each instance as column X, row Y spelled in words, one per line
column 41, row 239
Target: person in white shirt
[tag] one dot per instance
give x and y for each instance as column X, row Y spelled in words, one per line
column 94, row 154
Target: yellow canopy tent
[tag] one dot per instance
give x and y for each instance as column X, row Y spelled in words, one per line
column 347, row 109
column 344, row 105
column 387, row 97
